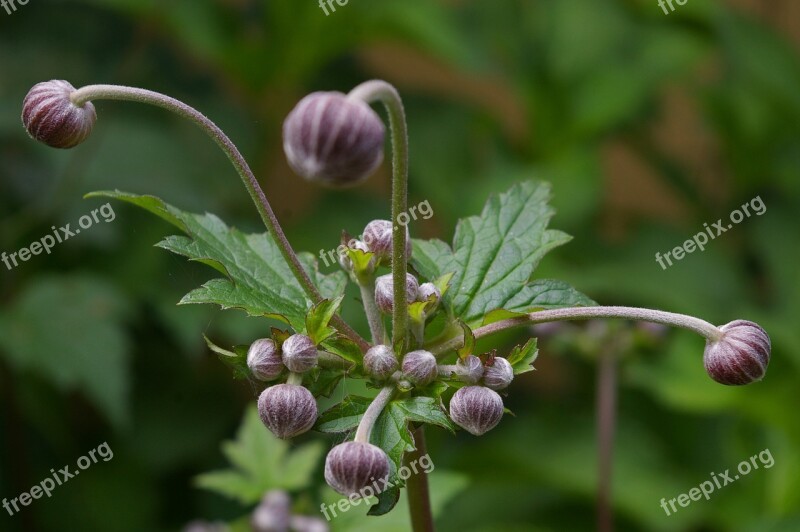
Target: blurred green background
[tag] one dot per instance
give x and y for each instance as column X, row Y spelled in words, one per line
column 648, row 125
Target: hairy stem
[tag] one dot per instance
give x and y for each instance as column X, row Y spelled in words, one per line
column 419, row 500
column 701, row 327
column 133, row 94
column 374, row 317
column 606, row 426
column 295, row 378
column 372, row 91
column 374, row 410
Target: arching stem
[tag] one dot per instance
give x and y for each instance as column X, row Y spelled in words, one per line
column 374, row 91
column 374, row 410
column 133, row 94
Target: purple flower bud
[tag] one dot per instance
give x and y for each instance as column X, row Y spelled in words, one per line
column 49, row 115
column 384, row 291
column 476, row 409
column 344, row 259
column 499, row 374
column 273, row 513
column 264, row 359
column 470, row 369
column 420, row 367
column 332, row 139
column 287, row 410
column 741, row 356
column 299, row 353
column 427, row 291
column 380, row 362
column 356, row 468
column 378, row 236
column 304, row 523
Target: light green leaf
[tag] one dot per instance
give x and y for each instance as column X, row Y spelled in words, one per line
column 469, row 341
column 319, row 317
column 261, row 462
column 543, row 294
column 522, row 358
column 257, row 278
column 425, row 410
column 494, row 254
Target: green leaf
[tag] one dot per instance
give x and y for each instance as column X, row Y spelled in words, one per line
column 344, row 347
column 469, row 341
column 257, row 278
column 425, row 410
column 323, row 381
column 236, row 359
column 387, row 500
column 344, row 416
column 494, row 254
column 522, row 359
column 544, row 294
column 319, row 317
column 261, row 462
column 70, row 331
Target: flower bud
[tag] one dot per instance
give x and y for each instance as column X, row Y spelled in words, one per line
column 420, row 367
column 476, row 409
column 49, row 115
column 741, row 356
column 273, row 513
column 287, row 410
column 384, row 291
column 332, row 139
column 498, row 374
column 264, row 359
column 299, row 353
column 304, row 523
column 356, row 468
column 380, row 362
column 347, row 264
column 470, row 369
column 429, row 294
column 378, row 237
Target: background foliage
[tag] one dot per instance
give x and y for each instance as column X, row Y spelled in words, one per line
column 647, row 125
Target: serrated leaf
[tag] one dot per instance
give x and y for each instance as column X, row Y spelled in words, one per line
column 323, row 382
column 494, row 254
column 257, row 278
column 344, row 416
column 522, row 358
column 387, row 500
column 343, row 346
column 543, row 294
column 261, row 462
column 236, row 359
column 319, row 317
column 500, row 315
column 443, row 283
column 425, row 410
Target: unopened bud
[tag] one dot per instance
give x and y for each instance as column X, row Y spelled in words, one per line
column 476, row 409
column 287, row 410
column 273, row 513
column 470, row 369
column 299, row 353
column 499, row 374
column 333, row 140
column 420, row 367
column 356, row 468
column 264, row 359
column 378, row 237
column 384, row 291
column 740, row 356
column 380, row 362
column 49, row 115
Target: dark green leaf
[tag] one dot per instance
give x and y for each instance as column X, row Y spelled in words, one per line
column 236, row 359
column 343, row 417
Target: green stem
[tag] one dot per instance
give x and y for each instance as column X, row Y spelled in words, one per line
column 295, row 378
column 133, row 94
column 701, row 327
column 374, row 410
column 372, row 91
column 419, row 500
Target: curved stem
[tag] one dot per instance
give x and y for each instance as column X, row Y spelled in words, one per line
column 419, row 500
column 295, row 378
column 371, row 310
column 374, row 410
column 377, row 90
column 701, row 327
column 133, row 94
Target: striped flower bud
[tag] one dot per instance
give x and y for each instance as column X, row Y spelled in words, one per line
column 476, row 409
column 264, row 359
column 498, row 374
column 420, row 367
column 299, row 353
column 740, row 356
column 356, row 469
column 378, row 237
column 333, row 140
column 49, row 115
column 384, row 291
column 470, row 369
column 380, row 362
column 287, row 410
